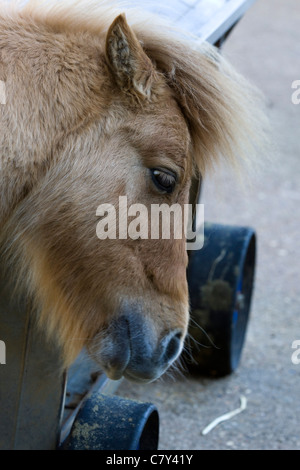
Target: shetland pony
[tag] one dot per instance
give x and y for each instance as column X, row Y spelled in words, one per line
column 96, row 109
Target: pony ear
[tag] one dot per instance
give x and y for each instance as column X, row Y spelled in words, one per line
column 132, row 68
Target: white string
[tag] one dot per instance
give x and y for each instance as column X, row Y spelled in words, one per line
column 226, row 416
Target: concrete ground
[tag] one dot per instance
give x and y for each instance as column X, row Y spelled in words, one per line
column 265, row 47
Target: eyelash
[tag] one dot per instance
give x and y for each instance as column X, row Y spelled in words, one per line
column 161, row 178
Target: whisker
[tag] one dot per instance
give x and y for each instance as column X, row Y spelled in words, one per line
column 205, row 333
column 197, row 343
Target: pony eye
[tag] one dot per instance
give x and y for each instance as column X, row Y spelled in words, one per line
column 164, row 180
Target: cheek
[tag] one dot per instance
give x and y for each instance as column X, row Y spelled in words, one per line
column 164, row 264
column 170, row 274
column 169, row 258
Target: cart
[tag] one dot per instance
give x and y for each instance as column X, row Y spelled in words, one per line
column 43, row 407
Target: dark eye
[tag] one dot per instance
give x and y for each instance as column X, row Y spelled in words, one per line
column 164, row 180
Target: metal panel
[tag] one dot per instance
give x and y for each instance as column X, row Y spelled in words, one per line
column 31, row 381
column 209, row 20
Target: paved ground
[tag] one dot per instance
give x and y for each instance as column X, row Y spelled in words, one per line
column 265, row 46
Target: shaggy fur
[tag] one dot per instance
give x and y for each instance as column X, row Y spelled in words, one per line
column 91, row 105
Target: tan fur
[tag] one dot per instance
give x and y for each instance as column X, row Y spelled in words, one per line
column 92, row 105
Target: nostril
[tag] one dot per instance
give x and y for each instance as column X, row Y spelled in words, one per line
column 173, row 345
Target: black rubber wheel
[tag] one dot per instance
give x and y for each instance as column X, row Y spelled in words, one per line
column 220, row 277
column 114, row 423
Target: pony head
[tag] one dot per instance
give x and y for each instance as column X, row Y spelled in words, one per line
column 94, row 112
